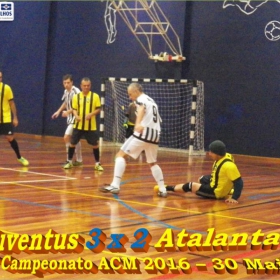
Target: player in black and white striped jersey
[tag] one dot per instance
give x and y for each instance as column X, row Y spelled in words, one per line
column 145, row 138
column 66, row 109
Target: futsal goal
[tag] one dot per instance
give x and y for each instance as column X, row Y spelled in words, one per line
column 181, row 107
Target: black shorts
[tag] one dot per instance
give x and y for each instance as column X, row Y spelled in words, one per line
column 205, row 189
column 90, row 135
column 6, row 129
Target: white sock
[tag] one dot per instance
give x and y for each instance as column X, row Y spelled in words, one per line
column 157, row 173
column 78, row 152
column 67, row 146
column 118, row 171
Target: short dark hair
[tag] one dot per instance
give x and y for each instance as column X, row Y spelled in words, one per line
column 67, row 76
column 86, row 79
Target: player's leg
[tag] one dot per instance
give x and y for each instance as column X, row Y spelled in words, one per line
column 132, row 147
column 119, row 169
column 7, row 130
column 151, row 157
column 79, row 157
column 67, row 139
column 78, row 148
column 92, row 138
column 187, row 187
column 75, row 138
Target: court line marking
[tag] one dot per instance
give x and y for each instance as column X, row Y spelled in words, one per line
column 70, row 210
column 62, row 178
column 149, row 204
column 36, row 181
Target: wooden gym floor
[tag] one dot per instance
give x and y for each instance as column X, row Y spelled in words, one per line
column 44, row 196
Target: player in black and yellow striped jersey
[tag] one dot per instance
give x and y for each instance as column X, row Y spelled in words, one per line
column 224, row 177
column 86, row 105
column 9, row 119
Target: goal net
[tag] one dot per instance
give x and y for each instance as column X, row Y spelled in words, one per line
column 181, row 107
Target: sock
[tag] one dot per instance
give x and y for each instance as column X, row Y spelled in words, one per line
column 96, row 155
column 71, row 151
column 118, row 171
column 15, row 147
column 79, row 152
column 170, row 188
column 67, row 147
column 157, row 174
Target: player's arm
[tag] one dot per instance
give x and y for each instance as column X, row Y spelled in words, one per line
column 74, row 106
column 97, row 106
column 238, row 187
column 14, row 112
column 57, row 113
column 94, row 113
column 140, row 114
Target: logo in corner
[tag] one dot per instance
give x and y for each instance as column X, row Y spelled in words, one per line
column 6, row 11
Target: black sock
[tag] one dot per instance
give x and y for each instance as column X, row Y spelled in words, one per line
column 71, row 151
column 15, row 147
column 170, row 188
column 96, row 154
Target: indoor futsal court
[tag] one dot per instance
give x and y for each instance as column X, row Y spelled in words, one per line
column 46, row 197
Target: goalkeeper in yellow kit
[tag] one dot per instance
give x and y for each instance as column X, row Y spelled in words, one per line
column 224, row 178
column 130, row 120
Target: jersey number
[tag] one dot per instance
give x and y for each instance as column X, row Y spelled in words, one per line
column 155, row 114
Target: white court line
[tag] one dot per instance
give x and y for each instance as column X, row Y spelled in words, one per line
column 37, row 181
column 44, row 174
column 62, row 178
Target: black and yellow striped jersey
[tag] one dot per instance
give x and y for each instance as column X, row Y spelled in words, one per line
column 6, row 95
column 85, row 105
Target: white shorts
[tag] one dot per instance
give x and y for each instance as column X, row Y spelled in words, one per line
column 69, row 129
column 133, row 147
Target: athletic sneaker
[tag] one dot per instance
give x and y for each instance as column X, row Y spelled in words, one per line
column 98, row 167
column 68, row 165
column 77, row 163
column 162, row 194
column 23, row 161
column 109, row 188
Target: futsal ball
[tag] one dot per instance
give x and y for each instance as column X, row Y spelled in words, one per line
column 272, row 30
column 156, row 188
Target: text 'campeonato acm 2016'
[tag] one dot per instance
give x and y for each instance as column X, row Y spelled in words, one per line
column 53, row 242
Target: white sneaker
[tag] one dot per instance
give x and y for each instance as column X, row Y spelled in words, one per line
column 109, row 188
column 162, row 194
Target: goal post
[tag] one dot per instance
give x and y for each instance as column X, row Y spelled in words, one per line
column 181, row 107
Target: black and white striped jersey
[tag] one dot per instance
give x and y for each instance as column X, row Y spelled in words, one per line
column 151, row 120
column 67, row 99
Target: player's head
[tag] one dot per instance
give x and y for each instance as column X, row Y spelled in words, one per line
column 67, row 81
column 217, row 148
column 134, row 90
column 85, row 85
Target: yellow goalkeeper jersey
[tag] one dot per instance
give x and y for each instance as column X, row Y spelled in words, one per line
column 224, row 172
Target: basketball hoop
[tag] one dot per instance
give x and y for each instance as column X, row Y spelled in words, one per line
column 146, row 20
